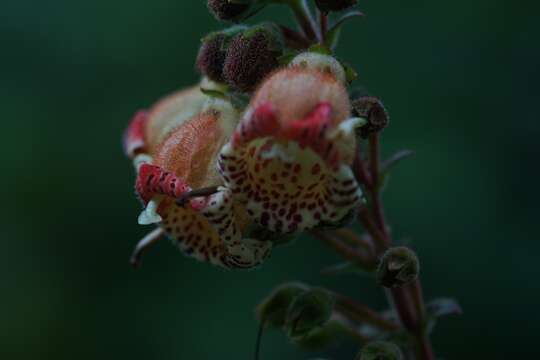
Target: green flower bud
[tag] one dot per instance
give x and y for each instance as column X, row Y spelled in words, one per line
column 213, row 51
column 273, row 309
column 373, row 110
column 308, row 312
column 252, row 55
column 380, row 350
column 398, row 266
column 334, row 5
column 228, row 10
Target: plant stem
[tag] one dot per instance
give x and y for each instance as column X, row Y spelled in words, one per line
column 408, row 300
column 366, row 259
column 323, row 21
column 363, row 313
column 304, row 18
column 294, row 39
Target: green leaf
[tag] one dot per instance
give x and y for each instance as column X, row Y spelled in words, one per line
column 350, row 73
column 286, row 58
column 332, row 36
column 215, row 93
column 438, row 308
column 443, row 307
column 395, row 159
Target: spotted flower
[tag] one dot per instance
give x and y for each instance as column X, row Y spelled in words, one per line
column 279, row 166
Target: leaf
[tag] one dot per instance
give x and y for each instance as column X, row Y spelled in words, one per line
column 286, row 58
column 214, row 93
column 395, row 159
column 332, row 36
column 439, row 308
column 443, row 307
column 350, row 73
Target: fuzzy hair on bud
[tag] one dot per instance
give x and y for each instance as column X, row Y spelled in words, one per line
column 213, row 50
column 399, row 266
column 320, row 62
column 252, row 55
column 296, row 91
column 373, row 110
column 227, row 10
column 334, row 5
column 380, row 350
column 212, row 56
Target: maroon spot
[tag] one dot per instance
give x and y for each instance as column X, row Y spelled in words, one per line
column 315, row 169
column 265, row 217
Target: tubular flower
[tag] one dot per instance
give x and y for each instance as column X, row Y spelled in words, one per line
column 174, row 147
column 289, row 158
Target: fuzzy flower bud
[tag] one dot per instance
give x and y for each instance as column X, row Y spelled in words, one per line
column 380, row 350
column 398, row 266
column 309, row 311
column 212, row 56
column 273, row 309
column 373, row 110
column 252, row 55
column 212, row 52
column 228, row 10
column 334, row 5
column 323, row 63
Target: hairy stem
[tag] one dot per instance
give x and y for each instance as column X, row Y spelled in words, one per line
column 294, row 39
column 366, row 259
column 323, row 21
column 363, row 314
column 407, row 301
column 304, row 18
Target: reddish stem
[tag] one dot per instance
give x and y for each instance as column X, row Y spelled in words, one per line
column 408, row 301
column 323, row 21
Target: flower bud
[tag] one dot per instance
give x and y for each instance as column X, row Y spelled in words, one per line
column 213, row 50
column 252, row 55
column 398, row 266
column 227, row 9
column 380, row 350
column 308, row 312
column 373, row 110
column 273, row 309
column 212, row 56
column 334, row 5
column 321, row 62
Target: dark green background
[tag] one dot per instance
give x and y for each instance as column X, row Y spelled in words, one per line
column 460, row 79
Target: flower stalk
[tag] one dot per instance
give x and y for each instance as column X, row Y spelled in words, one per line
column 408, row 300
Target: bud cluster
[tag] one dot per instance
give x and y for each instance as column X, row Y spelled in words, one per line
column 241, row 57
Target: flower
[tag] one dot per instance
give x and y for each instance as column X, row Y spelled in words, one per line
column 176, row 144
column 279, row 167
column 289, row 158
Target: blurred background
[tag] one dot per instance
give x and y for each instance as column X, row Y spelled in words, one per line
column 460, row 80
